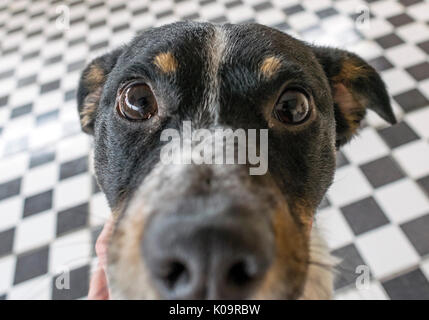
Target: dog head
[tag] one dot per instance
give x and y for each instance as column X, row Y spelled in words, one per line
column 199, row 229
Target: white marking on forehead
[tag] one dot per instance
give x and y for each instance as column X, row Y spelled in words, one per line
column 216, row 52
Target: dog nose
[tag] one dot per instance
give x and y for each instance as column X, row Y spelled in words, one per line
column 215, row 258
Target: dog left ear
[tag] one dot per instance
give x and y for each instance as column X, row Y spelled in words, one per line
column 91, row 87
column 355, row 86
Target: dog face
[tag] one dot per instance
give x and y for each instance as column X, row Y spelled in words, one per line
column 216, row 231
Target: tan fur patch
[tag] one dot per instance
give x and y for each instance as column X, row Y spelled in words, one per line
column 288, row 270
column 90, row 104
column 350, row 107
column 126, row 266
column 270, row 66
column 350, row 71
column 94, row 77
column 305, row 213
column 166, row 62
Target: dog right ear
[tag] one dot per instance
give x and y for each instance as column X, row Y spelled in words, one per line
column 91, row 87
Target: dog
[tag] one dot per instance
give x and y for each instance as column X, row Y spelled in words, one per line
column 214, row 231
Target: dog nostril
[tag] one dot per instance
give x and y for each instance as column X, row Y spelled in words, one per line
column 241, row 274
column 175, row 275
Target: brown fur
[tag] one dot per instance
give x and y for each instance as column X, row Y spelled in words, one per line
column 350, row 71
column 290, row 264
column 166, row 62
column 90, row 104
column 125, row 260
column 95, row 77
column 351, row 106
column 270, row 66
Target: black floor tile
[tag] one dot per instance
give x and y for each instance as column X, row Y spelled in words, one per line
column 420, row 71
column 72, row 219
column 10, row 188
column 31, row 264
column 3, row 101
column 382, row 171
column 400, row 20
column 50, row 86
column 73, row 167
column 389, row 41
column 424, row 46
column 364, row 215
column 26, row 81
column 398, row 135
column 408, row 3
column 410, row 286
column 380, row 64
column 53, row 59
column 326, row 13
column 263, row 6
column 38, row 203
column 417, row 231
column 41, row 157
column 21, row 110
column 6, row 241
column 77, row 65
column 424, row 184
column 233, row 4
column 294, row 9
column 346, row 271
column 411, row 100
column 79, row 285
column 6, row 74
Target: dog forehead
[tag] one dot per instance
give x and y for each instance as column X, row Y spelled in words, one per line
column 244, row 43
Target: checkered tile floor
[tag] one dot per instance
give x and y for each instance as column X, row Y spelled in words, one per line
column 376, row 213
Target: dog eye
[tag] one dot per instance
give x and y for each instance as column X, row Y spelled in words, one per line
column 137, row 102
column 292, row 107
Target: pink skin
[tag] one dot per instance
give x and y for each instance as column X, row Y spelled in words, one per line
column 98, row 287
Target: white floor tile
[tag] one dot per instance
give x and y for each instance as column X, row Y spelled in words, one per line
column 405, row 55
column 366, row 146
column 70, row 251
column 99, row 210
column 418, row 120
column 10, row 212
column 72, row 191
column 386, row 250
column 402, row 200
column 349, row 185
column 40, row 179
column 35, row 231
column 13, row 167
column 398, row 81
column 7, row 271
column 414, row 158
column 35, row 289
column 72, row 148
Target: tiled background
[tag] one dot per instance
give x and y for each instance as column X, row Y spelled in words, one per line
column 376, row 214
